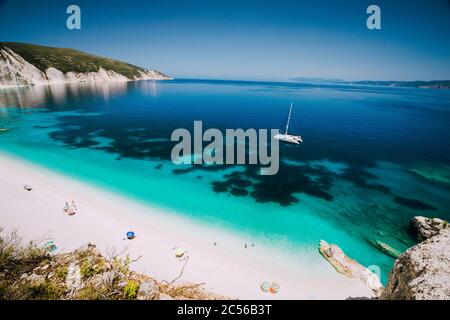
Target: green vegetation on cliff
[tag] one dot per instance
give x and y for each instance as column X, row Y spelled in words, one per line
column 67, row 60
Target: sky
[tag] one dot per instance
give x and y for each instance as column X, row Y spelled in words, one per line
column 249, row 40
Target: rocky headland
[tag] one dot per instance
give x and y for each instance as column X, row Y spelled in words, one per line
column 26, row 64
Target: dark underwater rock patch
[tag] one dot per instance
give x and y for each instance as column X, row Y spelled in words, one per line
column 413, row 204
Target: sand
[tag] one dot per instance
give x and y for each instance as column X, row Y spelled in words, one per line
column 104, row 217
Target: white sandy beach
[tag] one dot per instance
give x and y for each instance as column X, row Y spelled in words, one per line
column 103, row 218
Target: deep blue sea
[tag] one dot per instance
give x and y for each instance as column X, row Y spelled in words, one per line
column 372, row 157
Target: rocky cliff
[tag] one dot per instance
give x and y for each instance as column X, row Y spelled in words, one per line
column 420, row 273
column 426, row 228
column 423, row 271
column 24, row 64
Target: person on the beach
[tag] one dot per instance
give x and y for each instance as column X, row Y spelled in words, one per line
column 70, row 210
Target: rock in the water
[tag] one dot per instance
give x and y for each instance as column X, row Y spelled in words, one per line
column 349, row 267
column 422, row 272
column 148, row 291
column 387, row 249
column 428, row 227
column 439, row 174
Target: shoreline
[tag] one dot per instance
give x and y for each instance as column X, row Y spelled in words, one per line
column 104, row 218
column 79, row 82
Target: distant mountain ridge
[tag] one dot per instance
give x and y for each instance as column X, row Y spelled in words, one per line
column 435, row 84
column 316, row 80
column 28, row 64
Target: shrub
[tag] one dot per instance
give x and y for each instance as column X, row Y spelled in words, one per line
column 131, row 289
column 90, row 293
column 61, row 272
column 16, row 260
column 45, row 291
column 87, row 269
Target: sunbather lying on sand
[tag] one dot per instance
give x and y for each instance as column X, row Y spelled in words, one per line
column 70, row 210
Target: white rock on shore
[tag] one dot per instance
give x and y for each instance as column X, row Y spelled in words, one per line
column 349, row 267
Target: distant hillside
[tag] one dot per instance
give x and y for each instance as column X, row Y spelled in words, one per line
column 437, row 84
column 316, row 80
column 24, row 64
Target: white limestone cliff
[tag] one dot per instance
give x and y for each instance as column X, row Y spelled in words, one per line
column 422, row 272
column 16, row 71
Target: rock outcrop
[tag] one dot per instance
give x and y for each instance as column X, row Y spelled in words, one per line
column 426, row 228
column 423, row 271
column 15, row 70
column 148, row 290
column 349, row 267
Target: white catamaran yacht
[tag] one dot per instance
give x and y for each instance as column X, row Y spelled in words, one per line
column 287, row 137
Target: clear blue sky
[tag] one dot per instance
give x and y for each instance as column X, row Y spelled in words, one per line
column 243, row 39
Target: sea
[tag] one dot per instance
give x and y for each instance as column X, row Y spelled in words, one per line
column 372, row 157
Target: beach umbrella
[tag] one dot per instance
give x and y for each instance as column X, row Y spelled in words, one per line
column 274, row 288
column 50, row 246
column 130, row 235
column 265, row 286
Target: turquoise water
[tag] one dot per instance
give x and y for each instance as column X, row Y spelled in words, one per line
column 349, row 183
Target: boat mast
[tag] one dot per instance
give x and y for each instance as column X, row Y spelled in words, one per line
column 289, row 119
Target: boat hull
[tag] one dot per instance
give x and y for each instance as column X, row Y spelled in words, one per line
column 288, row 138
